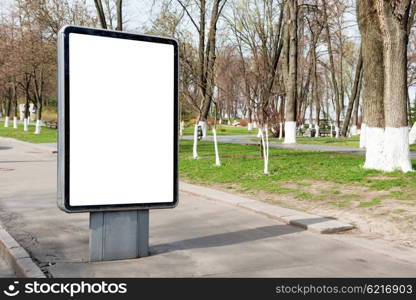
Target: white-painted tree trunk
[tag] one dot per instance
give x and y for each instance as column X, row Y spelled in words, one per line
column 280, row 130
column 396, row 149
column 38, row 126
column 195, row 147
column 316, row 130
column 255, row 125
column 412, row 135
column 290, row 132
column 220, row 121
column 353, row 130
column 25, row 124
column 229, row 123
column 265, row 143
column 336, row 131
column 6, row 122
column 181, row 128
column 21, row 111
column 266, row 167
column 374, row 144
column 259, row 133
column 217, row 156
column 203, row 125
column 387, row 149
column 250, row 126
column 15, row 122
column 363, row 135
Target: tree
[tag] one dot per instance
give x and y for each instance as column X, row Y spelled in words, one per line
column 205, row 73
column 393, row 18
column 355, row 95
column 337, row 99
column 291, row 70
column 109, row 17
column 383, row 26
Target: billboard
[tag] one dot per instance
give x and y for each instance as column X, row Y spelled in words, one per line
column 118, row 120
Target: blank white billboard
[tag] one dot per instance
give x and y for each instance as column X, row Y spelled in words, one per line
column 118, row 124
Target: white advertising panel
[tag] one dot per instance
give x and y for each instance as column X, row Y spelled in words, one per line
column 117, row 120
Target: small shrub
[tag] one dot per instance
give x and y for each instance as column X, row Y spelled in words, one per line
column 191, row 122
column 210, row 121
column 243, row 122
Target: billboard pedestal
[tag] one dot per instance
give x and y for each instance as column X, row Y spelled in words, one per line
column 119, row 235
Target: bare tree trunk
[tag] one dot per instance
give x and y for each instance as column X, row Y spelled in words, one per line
column 27, row 102
column 100, row 12
column 372, row 127
column 8, row 108
column 15, row 105
column 290, row 113
column 208, row 56
column 354, row 122
column 38, row 92
column 332, row 65
column 393, row 22
column 119, row 6
column 315, row 90
column 354, row 95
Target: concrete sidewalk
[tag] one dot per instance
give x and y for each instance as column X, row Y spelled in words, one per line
column 5, row 270
column 198, row 238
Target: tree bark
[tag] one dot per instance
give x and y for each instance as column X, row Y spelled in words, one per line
column 372, row 127
column 100, row 12
column 355, row 120
column 119, row 5
column 393, row 17
column 332, row 65
column 207, row 57
column 354, row 95
column 290, row 112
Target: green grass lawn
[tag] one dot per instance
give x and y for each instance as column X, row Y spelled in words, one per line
column 353, row 141
column 47, row 135
column 242, row 166
column 222, row 130
column 323, row 183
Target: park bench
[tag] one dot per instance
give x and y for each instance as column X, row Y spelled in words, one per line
column 51, row 124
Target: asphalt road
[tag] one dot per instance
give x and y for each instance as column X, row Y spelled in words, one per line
column 198, row 238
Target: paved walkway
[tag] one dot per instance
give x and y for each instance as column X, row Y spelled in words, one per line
column 247, row 140
column 198, row 238
column 5, row 270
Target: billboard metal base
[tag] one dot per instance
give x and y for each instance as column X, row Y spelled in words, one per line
column 119, row 235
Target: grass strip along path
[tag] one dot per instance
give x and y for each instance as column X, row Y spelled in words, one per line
column 47, row 135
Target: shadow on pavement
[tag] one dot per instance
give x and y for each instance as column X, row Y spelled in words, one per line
column 226, row 238
column 5, row 148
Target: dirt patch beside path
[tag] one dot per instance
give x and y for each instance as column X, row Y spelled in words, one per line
column 381, row 214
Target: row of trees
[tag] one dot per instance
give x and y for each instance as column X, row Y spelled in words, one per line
column 291, row 62
column 28, row 30
column 278, row 63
